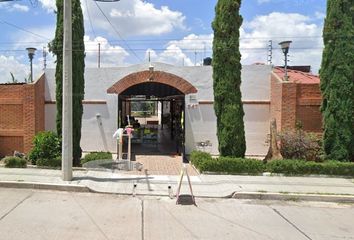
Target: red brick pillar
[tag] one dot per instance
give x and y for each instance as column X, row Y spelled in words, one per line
column 29, row 116
column 288, row 105
column 276, row 100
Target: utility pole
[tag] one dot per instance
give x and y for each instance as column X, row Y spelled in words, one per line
column 67, row 145
column 270, row 52
column 195, row 57
column 99, row 55
column 44, row 58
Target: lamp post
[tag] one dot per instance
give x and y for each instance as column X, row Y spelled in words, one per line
column 285, row 45
column 31, row 52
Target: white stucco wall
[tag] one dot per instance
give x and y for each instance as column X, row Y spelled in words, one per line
column 201, row 126
column 200, row 121
column 256, row 121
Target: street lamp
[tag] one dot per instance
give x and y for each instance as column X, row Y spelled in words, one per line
column 285, row 45
column 31, row 52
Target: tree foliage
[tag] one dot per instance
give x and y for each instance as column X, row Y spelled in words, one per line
column 78, row 55
column 227, row 78
column 337, row 80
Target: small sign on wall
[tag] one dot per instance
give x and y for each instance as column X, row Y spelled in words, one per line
column 192, row 101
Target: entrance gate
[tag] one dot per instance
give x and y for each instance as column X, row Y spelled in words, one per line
column 165, row 90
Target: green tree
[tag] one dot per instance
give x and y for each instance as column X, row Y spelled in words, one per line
column 78, row 54
column 227, row 78
column 337, row 80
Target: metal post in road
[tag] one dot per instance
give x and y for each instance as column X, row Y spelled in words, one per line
column 67, row 145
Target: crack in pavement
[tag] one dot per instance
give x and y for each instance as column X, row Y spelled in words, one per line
column 18, row 204
column 90, row 217
column 292, row 224
column 142, row 220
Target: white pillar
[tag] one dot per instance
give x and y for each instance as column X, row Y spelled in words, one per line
column 67, row 146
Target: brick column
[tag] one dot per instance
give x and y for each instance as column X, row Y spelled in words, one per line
column 288, row 105
column 29, row 113
column 276, row 100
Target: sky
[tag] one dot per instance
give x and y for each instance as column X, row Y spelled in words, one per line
column 176, row 32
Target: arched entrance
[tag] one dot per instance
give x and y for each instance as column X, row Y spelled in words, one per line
column 153, row 103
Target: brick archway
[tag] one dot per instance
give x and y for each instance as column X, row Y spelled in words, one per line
column 155, row 77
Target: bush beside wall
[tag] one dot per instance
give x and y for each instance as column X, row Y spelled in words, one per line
column 44, row 162
column 47, row 145
column 15, row 162
column 96, row 156
column 298, row 144
column 205, row 163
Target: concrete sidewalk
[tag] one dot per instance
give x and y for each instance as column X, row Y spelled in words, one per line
column 255, row 187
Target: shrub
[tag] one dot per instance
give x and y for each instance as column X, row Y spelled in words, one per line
column 301, row 145
column 233, row 166
column 301, row 167
column 227, row 165
column 15, row 162
column 47, row 146
column 96, row 156
column 45, row 162
column 198, row 157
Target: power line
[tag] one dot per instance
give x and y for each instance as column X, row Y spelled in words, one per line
column 89, row 17
column 120, row 36
column 178, row 40
column 191, row 50
column 22, row 29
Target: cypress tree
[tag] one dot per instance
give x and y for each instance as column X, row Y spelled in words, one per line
column 337, row 80
column 78, row 72
column 227, row 78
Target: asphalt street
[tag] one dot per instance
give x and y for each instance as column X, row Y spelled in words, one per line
column 37, row 214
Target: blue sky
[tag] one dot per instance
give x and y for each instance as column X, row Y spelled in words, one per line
column 175, row 32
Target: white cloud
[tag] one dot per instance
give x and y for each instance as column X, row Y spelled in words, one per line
column 171, row 55
column 135, row 18
column 48, row 5
column 11, row 64
column 10, row 7
column 181, row 52
column 306, row 48
column 16, row 60
column 111, row 56
column 21, row 8
column 195, row 42
column 320, row 15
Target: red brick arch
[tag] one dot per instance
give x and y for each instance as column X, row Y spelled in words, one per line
column 158, row 77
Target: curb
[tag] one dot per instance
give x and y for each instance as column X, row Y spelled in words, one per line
column 294, row 197
column 236, row 195
column 44, row 186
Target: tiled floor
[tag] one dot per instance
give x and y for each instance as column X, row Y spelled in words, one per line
column 162, row 165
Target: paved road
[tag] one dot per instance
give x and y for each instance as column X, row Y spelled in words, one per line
column 32, row 215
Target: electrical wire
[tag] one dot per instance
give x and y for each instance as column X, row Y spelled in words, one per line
column 24, row 30
column 190, row 50
column 117, row 32
column 178, row 40
column 89, row 17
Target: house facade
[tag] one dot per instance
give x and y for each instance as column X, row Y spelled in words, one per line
column 108, row 92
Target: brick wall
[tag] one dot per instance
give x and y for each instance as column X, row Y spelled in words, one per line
column 157, row 76
column 308, row 107
column 293, row 102
column 21, row 115
column 276, row 100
